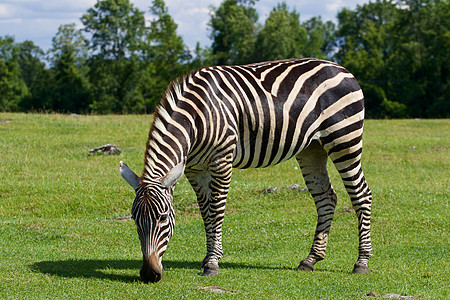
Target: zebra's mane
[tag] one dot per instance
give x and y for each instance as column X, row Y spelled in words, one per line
column 170, row 96
column 167, row 104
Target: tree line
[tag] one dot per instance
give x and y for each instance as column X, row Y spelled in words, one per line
column 118, row 63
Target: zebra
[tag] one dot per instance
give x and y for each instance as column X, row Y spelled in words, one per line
column 218, row 118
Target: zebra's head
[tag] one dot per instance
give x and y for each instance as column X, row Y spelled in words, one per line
column 153, row 215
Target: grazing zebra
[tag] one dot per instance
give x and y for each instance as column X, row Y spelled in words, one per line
column 251, row 116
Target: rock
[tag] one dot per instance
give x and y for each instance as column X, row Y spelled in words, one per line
column 270, row 190
column 296, row 187
column 397, row 296
column 107, row 149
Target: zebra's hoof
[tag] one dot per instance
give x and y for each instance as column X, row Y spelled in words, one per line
column 210, row 270
column 305, row 265
column 360, row 268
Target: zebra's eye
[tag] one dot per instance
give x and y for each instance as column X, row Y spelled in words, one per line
column 163, row 217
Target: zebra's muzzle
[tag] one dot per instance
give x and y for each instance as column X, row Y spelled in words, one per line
column 151, row 270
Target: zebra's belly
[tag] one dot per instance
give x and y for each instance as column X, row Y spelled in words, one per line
column 258, row 152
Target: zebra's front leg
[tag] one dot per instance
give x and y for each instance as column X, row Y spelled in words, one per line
column 313, row 162
column 212, row 188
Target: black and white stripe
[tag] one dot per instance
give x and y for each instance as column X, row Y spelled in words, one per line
column 252, row 116
column 148, row 206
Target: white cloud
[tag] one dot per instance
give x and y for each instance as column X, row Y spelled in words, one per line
column 6, row 10
column 334, row 5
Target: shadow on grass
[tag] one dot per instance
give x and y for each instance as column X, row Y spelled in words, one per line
column 109, row 269
column 89, row 268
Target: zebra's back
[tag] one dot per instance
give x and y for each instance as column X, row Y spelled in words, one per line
column 277, row 108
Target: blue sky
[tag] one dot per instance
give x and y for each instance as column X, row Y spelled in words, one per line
column 38, row 20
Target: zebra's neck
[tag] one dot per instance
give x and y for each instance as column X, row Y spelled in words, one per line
column 170, row 136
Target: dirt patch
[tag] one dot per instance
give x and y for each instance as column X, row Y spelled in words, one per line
column 293, row 187
column 391, row 296
column 126, row 217
column 215, row 289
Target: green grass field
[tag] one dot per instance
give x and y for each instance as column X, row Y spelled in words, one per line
column 57, row 242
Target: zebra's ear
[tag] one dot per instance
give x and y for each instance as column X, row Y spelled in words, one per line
column 129, row 175
column 172, row 177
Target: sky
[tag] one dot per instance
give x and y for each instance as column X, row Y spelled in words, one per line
column 38, row 20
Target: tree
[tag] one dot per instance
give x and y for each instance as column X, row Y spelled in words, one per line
column 320, row 38
column 31, row 62
column 365, row 43
column 12, row 86
column 69, row 39
column 202, row 57
column 117, row 30
column 233, row 28
column 70, row 86
column 420, row 60
column 165, row 55
column 282, row 36
column 34, row 74
column 398, row 52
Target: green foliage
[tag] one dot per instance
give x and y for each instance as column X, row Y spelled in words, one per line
column 116, row 27
column 71, row 89
column 320, row 39
column 12, row 86
column 34, row 74
column 421, row 62
column 233, row 32
column 117, row 30
column 115, row 87
column 237, row 38
column 202, row 57
column 282, row 36
column 165, row 48
column 398, row 49
column 69, row 40
column 364, row 49
column 116, row 63
column 55, row 242
column 32, row 67
column 165, row 55
column 131, row 64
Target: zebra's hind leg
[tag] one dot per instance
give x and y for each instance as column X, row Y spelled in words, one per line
column 361, row 197
column 347, row 160
column 313, row 161
column 212, row 188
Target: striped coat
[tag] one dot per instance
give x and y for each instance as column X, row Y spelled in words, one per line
column 258, row 115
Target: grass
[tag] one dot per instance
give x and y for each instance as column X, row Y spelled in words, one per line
column 56, row 240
